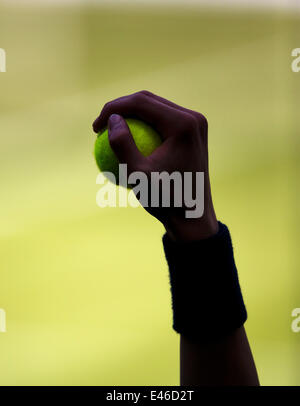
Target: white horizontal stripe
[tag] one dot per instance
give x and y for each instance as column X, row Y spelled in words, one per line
column 254, row 4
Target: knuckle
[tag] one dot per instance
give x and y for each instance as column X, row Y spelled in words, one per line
column 137, row 98
column 191, row 124
column 202, row 120
column 185, row 124
column 146, row 93
column 107, row 107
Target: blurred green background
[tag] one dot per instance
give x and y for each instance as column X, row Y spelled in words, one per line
column 86, row 289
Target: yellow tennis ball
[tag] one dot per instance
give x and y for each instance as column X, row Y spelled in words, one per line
column 145, row 138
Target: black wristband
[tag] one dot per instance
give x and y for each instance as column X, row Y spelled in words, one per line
column 206, row 297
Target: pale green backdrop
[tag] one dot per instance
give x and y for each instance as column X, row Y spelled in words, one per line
column 86, row 289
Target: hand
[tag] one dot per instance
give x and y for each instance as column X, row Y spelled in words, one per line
column 184, row 149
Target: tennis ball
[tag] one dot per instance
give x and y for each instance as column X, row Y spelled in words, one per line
column 145, row 138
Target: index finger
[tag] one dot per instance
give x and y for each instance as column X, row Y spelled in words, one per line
column 164, row 118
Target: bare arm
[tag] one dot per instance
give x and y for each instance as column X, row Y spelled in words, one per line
column 228, row 361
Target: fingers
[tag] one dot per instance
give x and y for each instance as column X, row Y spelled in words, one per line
column 167, row 102
column 164, row 118
column 122, row 142
column 198, row 116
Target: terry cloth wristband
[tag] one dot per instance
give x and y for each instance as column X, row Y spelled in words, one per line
column 206, row 297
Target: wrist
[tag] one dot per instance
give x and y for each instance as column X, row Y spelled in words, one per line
column 204, row 279
column 186, row 229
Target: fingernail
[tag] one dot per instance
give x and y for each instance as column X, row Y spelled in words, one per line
column 114, row 120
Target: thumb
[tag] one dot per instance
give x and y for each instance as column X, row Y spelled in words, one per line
column 122, row 142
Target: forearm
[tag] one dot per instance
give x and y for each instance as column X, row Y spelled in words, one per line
column 227, row 361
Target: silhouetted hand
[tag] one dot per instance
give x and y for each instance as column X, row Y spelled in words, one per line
column 184, row 149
